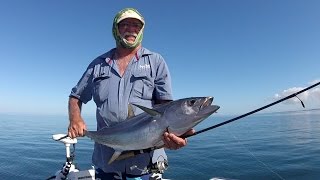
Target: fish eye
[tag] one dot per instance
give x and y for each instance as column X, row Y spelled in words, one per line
column 191, row 102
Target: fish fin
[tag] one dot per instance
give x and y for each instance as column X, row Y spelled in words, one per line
column 130, row 111
column 152, row 112
column 115, row 155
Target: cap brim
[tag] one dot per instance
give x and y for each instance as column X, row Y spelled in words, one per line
column 130, row 14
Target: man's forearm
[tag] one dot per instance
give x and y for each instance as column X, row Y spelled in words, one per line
column 77, row 126
column 74, row 108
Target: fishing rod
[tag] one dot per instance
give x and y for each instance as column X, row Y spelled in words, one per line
column 254, row 111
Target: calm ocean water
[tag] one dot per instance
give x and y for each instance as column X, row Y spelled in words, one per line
column 272, row 146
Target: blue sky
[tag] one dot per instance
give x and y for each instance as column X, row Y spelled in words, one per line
column 244, row 53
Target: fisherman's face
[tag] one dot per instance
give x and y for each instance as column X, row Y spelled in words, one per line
column 129, row 29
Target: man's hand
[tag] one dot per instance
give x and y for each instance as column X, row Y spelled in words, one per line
column 172, row 141
column 76, row 128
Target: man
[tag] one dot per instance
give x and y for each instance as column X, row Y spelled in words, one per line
column 127, row 74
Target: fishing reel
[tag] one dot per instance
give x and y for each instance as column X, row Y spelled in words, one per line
column 155, row 168
column 159, row 166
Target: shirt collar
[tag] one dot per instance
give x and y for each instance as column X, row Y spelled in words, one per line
column 141, row 53
column 108, row 57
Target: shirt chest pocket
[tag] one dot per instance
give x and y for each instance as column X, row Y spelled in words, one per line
column 142, row 85
column 101, row 85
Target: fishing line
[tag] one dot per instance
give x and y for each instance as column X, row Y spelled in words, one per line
column 254, row 156
column 254, row 111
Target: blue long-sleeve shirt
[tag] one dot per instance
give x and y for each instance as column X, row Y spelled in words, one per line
column 146, row 78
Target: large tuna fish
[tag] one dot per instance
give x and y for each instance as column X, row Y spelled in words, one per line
column 146, row 129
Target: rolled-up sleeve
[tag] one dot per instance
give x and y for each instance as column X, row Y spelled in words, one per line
column 83, row 89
